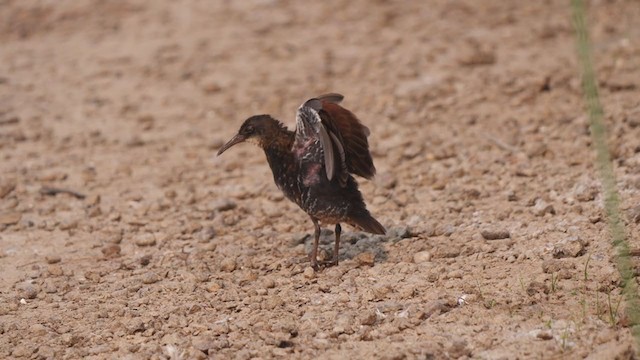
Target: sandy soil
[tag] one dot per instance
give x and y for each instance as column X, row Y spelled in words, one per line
column 478, row 132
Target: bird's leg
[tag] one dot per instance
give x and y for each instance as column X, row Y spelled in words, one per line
column 336, row 247
column 316, row 240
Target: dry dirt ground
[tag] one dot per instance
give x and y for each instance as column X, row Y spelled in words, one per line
column 478, row 132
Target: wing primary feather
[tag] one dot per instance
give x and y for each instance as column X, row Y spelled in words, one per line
column 331, row 97
column 327, row 147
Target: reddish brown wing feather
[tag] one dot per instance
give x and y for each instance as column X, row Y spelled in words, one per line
column 351, row 134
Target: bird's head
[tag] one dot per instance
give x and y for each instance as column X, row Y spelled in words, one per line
column 258, row 129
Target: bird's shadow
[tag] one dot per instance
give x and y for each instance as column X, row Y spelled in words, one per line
column 353, row 243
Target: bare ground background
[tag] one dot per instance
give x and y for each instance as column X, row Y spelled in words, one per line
column 478, row 130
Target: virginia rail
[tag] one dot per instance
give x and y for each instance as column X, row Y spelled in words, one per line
column 313, row 165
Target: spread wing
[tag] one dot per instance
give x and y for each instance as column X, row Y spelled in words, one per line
column 340, row 134
column 350, row 133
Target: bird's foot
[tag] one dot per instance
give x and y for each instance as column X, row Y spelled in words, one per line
column 329, row 263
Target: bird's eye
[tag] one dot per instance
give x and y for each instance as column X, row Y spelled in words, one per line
column 249, row 129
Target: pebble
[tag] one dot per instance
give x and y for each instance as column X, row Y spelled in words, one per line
column 366, row 258
column 223, row 205
column 585, row 193
column 272, row 302
column 536, row 287
column 10, row 218
column 203, row 343
column 553, row 265
column 459, row 349
column 27, row 290
column 544, row 335
column 446, row 230
column 146, row 239
column 309, row 273
column 447, row 252
column 68, row 224
column 542, row 208
column 455, row 274
column 150, row 278
column 53, row 259
column 111, row 251
column 269, row 283
column 214, row 287
column 228, row 264
column 421, row 257
column 569, row 248
column 6, row 188
column 207, row 234
column 369, row 317
column 49, row 287
column 495, row 234
column 114, row 237
column 23, row 351
column 55, row 270
column 38, row 329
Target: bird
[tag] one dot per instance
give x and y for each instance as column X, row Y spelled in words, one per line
column 314, row 164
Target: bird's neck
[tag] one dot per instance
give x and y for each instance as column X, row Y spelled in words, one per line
column 278, row 147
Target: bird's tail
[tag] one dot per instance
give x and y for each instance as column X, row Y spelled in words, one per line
column 367, row 223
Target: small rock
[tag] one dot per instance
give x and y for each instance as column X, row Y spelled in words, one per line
column 145, row 260
column 223, row 205
column 27, row 290
column 272, row 302
column 111, row 251
column 445, row 229
column 146, row 239
column 585, row 193
column 11, row 218
column 544, row 335
column 447, row 252
column 150, row 278
column 214, row 287
column 228, row 264
column 380, row 291
column 536, row 287
column 572, row 247
column 368, row 318
column 552, row 266
column 459, row 349
column 542, row 208
column 203, row 343
column 134, row 326
column 207, row 234
column 114, row 237
column 269, row 283
column 455, row 274
column 299, row 238
column 53, row 259
column 68, row 224
column 421, row 257
column 495, row 234
column 49, row 287
column 366, row 258
column 38, row 329
column 6, row 188
column 309, row 273
column 477, row 54
column 23, row 351
column 55, row 270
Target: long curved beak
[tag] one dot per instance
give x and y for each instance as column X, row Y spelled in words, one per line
column 234, row 140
